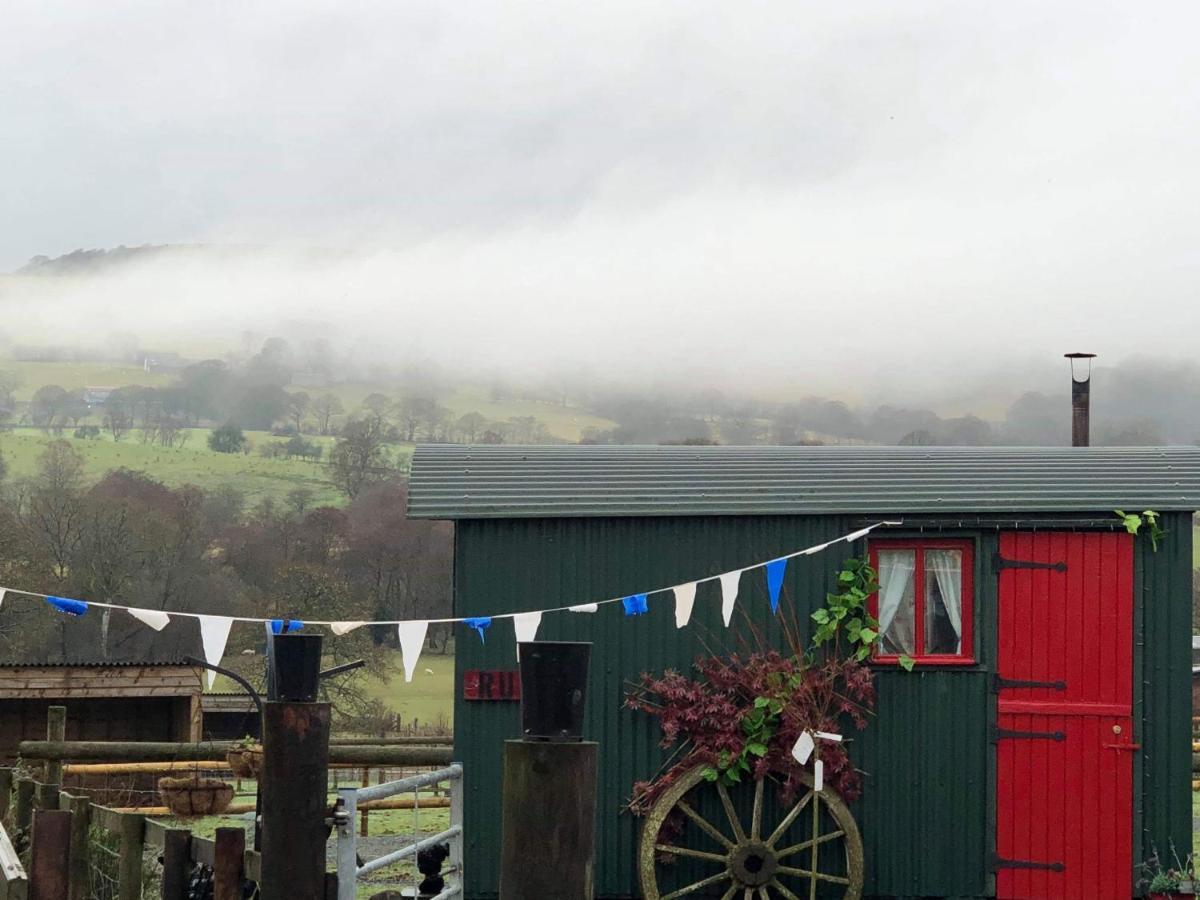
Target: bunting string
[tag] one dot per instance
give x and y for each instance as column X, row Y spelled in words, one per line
column 214, row 629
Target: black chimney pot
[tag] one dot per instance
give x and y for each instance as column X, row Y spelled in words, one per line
column 1081, row 401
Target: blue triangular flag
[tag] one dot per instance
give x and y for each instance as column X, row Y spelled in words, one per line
column 70, row 607
column 775, row 570
column 285, row 626
column 635, row 605
column 480, row 624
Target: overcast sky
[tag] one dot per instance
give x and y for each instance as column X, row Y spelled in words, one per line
column 812, row 186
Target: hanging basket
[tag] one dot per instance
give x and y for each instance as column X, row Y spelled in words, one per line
column 245, row 762
column 195, row 796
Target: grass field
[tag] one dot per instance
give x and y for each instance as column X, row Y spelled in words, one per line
column 430, row 695
column 74, row 376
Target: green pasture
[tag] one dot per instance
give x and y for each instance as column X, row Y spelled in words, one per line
column 74, row 376
column 427, row 698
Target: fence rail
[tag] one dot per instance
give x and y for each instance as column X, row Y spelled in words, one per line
column 349, row 870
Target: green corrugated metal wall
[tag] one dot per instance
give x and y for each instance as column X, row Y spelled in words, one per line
column 927, row 814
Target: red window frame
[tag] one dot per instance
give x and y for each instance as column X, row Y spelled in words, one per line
column 966, row 656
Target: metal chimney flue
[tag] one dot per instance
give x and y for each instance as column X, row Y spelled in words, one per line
column 1081, row 400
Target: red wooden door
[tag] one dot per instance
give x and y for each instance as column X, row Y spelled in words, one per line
column 1064, row 735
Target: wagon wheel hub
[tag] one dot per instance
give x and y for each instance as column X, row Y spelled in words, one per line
column 753, row 863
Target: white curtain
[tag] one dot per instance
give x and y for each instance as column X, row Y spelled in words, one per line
column 946, row 568
column 896, row 608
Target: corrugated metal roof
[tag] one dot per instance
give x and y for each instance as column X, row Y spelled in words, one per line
column 470, row 482
column 98, row 664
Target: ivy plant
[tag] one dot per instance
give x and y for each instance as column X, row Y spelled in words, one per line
column 1133, row 523
column 845, row 613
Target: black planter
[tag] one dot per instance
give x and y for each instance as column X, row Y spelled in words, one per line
column 297, row 660
column 553, row 689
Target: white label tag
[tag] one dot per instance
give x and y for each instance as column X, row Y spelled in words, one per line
column 803, row 748
column 818, row 775
column 825, row 735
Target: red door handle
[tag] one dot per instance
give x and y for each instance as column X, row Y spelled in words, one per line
column 1123, row 747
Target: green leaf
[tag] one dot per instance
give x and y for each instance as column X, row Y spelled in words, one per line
column 821, row 616
column 775, row 706
column 760, row 702
column 846, row 578
column 757, row 749
column 862, row 653
column 708, row 773
column 906, row 662
column 868, row 635
column 723, row 759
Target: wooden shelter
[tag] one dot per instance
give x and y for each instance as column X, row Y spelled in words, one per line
column 106, row 701
column 1040, row 746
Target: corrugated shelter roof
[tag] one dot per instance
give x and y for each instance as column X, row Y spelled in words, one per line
column 96, row 664
column 478, row 482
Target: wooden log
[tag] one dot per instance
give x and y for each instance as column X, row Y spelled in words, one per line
column 229, row 864
column 549, row 802
column 434, row 740
column 56, row 730
column 175, row 863
column 129, row 867
column 49, row 879
column 236, row 809
column 143, row 767
column 80, row 810
column 165, row 751
column 294, row 805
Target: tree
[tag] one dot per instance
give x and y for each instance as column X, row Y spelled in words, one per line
column 50, row 508
column 118, row 415
column 227, row 439
column 298, row 404
column 359, row 457
column 49, row 406
column 470, row 426
column 325, row 408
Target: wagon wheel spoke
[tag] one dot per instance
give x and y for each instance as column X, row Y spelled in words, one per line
column 804, row 845
column 756, row 816
column 705, row 825
column 688, row 851
column 731, row 814
column 696, row 885
column 812, row 876
column 762, row 893
column 789, row 819
column 728, row 895
column 783, row 891
column 748, row 894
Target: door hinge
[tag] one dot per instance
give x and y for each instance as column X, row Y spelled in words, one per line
column 999, row 684
column 1001, row 563
column 999, row 862
column 1001, row 734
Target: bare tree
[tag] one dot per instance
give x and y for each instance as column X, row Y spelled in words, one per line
column 325, row 408
column 359, row 457
column 298, row 405
column 49, row 510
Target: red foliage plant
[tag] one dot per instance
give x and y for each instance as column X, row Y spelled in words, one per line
column 742, row 714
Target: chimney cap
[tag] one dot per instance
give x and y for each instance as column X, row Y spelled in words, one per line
column 1079, row 355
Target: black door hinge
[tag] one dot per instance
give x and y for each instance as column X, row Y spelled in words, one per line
column 1001, row 863
column 999, row 684
column 1001, row 734
column 1001, row 563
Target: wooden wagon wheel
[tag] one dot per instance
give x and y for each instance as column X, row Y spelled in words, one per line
column 751, row 863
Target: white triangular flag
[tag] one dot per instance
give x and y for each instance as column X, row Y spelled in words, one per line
column 152, row 617
column 214, row 632
column 862, row 532
column 585, row 607
column 340, row 628
column 729, row 592
column 685, row 597
column 803, row 747
column 526, row 625
column 412, row 639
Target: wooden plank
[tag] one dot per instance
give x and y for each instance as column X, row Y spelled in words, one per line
column 167, row 751
column 175, row 863
column 45, row 796
column 230, row 864
column 23, row 817
column 56, row 730
column 49, row 879
column 77, row 865
column 13, row 881
column 203, row 851
column 242, row 808
column 6, row 787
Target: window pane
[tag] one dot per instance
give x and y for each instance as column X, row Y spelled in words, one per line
column 897, row 601
column 943, row 601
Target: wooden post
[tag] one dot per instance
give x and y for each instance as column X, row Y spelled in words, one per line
column 6, row 787
column 23, row 817
column 362, row 816
column 176, row 863
column 56, row 730
column 129, row 867
column 294, row 778
column 45, row 796
column 80, row 809
column 549, row 798
column 229, row 863
column 48, row 877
